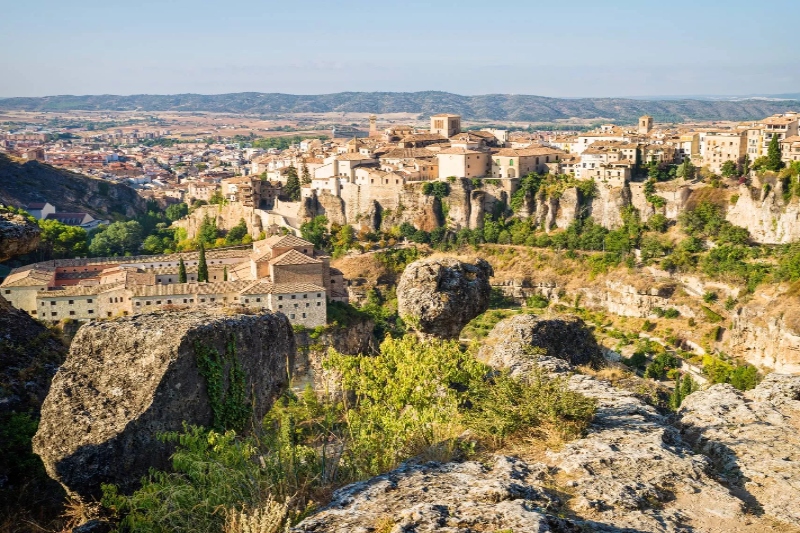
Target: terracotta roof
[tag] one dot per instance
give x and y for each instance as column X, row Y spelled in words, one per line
column 408, row 153
column 287, row 241
column 217, row 287
column 293, row 257
column 285, row 288
column 79, row 290
column 28, row 278
column 526, row 152
column 259, row 287
column 460, row 151
column 353, row 157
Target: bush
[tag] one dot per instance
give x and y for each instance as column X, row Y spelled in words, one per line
column 711, row 316
column 671, row 313
column 537, row 301
column 710, row 297
column 661, row 364
column 743, row 377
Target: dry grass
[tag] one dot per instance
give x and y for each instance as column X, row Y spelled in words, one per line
column 270, row 517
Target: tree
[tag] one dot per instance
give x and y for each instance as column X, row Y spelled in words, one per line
column 306, row 175
column 315, row 231
column 217, row 198
column 177, row 211
column 60, row 241
column 225, row 273
column 202, row 267
column 686, row 170
column 119, row 238
column 774, row 162
column 181, row 271
column 728, row 169
column 208, row 232
column 236, row 233
column 292, row 187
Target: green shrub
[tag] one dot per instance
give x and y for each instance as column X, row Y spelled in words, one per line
column 711, row 316
column 671, row 313
column 710, row 297
column 537, row 301
column 661, row 364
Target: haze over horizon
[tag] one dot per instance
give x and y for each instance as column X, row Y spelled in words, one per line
column 583, row 49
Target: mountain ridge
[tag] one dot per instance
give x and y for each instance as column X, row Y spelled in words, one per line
column 508, row 107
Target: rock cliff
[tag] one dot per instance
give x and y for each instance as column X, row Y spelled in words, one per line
column 125, row 381
column 226, row 217
column 18, row 235
column 24, row 183
column 438, row 296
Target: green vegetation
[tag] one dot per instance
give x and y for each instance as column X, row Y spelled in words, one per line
column 742, row 376
column 684, row 386
column 202, row 266
column 181, row 271
column 227, row 392
column 439, row 189
column 292, row 188
column 413, row 399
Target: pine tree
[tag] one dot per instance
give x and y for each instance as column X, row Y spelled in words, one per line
column 292, row 187
column 202, row 267
column 306, row 175
column 225, row 273
column 181, row 271
column 774, row 162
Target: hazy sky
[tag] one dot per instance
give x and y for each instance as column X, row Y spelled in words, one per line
column 561, row 48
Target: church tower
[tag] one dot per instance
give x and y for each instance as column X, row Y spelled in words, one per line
column 645, row 124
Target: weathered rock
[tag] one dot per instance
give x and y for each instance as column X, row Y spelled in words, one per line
column 29, row 357
column 125, row 381
column 449, row 498
column 18, row 235
column 753, row 440
column 566, row 338
column 441, row 295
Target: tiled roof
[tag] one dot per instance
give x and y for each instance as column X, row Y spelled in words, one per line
column 287, row 288
column 460, row 151
column 527, row 152
column 287, row 241
column 259, row 287
column 293, row 257
column 217, row 287
column 28, row 278
column 79, row 290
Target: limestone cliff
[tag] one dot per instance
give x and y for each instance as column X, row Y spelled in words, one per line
column 18, row 235
column 28, row 182
column 226, row 217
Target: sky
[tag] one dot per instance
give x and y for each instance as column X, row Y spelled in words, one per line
column 577, row 48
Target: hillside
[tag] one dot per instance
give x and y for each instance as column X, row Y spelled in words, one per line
column 23, row 183
column 489, row 106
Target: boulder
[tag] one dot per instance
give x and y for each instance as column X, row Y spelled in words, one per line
column 438, row 296
column 753, row 441
column 565, row 339
column 18, row 235
column 128, row 380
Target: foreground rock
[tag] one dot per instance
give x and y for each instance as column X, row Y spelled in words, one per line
column 633, row 472
column 509, row 345
column 125, row 381
column 18, row 235
column 753, row 440
column 439, row 296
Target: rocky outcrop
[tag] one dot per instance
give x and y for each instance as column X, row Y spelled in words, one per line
column 633, row 471
column 565, row 337
column 357, row 338
column 18, row 235
column 128, row 380
column 753, row 440
column 438, row 296
column 766, row 331
column 29, row 357
column 225, row 216
column 768, row 217
column 448, row 498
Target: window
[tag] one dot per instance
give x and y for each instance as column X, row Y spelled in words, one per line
column 158, row 302
column 247, row 300
column 280, row 297
column 258, row 299
column 305, row 296
column 202, row 300
column 53, row 302
column 304, row 315
column 71, row 302
column 72, row 313
column 54, row 313
column 280, row 307
column 319, row 304
column 148, row 302
column 293, row 296
column 90, row 311
column 319, row 295
column 169, row 301
column 42, row 303
column 8, row 291
column 308, row 304
column 290, row 316
column 138, row 304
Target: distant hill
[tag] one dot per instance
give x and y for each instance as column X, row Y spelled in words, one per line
column 22, row 183
column 498, row 107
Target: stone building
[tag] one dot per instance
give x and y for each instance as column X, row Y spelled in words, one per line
column 280, row 274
